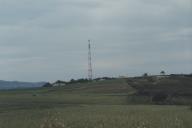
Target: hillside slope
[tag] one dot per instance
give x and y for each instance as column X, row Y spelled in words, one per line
column 163, row 90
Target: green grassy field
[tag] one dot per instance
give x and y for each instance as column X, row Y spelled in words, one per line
column 95, row 105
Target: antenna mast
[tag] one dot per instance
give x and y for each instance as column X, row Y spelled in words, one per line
column 90, row 70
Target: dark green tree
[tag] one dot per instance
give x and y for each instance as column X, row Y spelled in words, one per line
column 162, row 72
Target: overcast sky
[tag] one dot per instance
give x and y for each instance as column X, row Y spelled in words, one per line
column 46, row 40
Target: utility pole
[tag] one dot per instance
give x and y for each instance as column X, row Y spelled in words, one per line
column 90, row 70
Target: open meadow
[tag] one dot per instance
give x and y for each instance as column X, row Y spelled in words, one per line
column 103, row 104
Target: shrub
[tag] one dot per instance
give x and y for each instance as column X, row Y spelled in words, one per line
column 162, row 73
column 145, row 75
column 47, row 85
column 159, row 97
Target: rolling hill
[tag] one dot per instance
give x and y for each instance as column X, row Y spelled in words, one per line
column 18, row 84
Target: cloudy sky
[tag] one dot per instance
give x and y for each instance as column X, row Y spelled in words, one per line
column 46, row 40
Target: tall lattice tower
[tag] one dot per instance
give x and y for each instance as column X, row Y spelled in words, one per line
column 90, row 70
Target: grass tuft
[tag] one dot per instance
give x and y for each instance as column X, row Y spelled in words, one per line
column 52, row 122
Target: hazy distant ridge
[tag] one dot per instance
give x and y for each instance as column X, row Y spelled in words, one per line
column 18, row 84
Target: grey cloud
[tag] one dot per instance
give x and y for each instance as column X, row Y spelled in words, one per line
column 48, row 40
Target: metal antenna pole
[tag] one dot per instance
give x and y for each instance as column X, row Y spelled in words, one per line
column 90, row 70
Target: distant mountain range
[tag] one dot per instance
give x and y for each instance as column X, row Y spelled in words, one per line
column 18, row 84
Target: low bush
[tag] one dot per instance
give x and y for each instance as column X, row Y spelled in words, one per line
column 159, row 97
